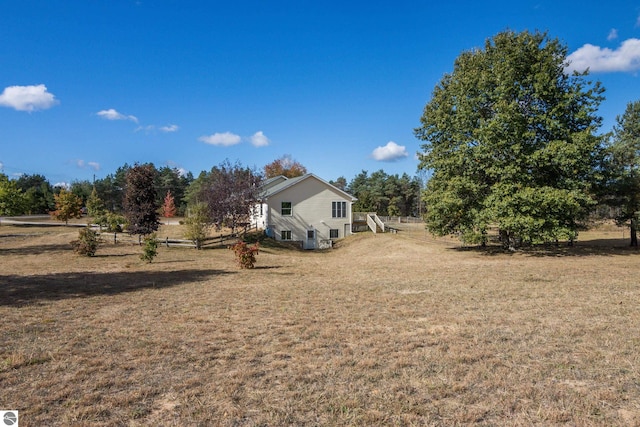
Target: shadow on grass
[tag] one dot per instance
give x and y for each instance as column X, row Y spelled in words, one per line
column 36, row 249
column 597, row 247
column 19, row 290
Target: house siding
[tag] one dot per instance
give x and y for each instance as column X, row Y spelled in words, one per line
column 311, row 204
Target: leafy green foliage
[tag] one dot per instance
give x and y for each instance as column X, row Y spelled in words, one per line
column 175, row 181
column 385, row 194
column 82, row 189
column 87, row 243
column 624, row 169
column 95, row 205
column 140, row 203
column 197, row 223
column 68, row 206
column 12, row 199
column 245, row 254
column 509, row 138
column 112, row 222
column 38, row 194
column 149, row 248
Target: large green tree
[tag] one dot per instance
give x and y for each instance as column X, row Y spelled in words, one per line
column 12, row 199
column 509, row 137
column 38, row 193
column 624, row 169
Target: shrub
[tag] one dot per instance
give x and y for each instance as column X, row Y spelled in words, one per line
column 150, row 248
column 111, row 221
column 87, row 243
column 245, row 254
column 197, row 223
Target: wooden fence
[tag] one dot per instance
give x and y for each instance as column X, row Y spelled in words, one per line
column 219, row 240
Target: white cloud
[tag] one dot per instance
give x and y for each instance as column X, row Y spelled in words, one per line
column 170, row 128
column 598, row 59
column 390, row 152
column 147, row 129
column 613, row 34
column 27, row 98
column 225, row 139
column 62, row 184
column 91, row 165
column 259, row 139
column 112, row 114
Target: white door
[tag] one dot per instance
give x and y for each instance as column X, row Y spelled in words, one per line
column 311, row 239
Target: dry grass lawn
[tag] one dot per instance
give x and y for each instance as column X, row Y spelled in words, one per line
column 382, row 330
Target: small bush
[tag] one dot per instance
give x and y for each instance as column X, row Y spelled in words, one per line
column 245, row 254
column 111, row 221
column 150, row 248
column 87, row 243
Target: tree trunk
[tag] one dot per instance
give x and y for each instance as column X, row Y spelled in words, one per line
column 508, row 240
column 633, row 232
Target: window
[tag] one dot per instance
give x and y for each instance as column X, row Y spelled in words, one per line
column 333, row 233
column 285, row 234
column 285, row 209
column 338, row 209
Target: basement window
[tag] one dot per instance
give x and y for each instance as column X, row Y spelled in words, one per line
column 285, row 234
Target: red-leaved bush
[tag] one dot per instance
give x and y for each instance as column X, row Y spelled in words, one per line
column 245, row 254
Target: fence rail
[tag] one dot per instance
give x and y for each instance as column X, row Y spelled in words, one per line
column 219, row 240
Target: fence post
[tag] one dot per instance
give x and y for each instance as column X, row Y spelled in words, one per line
column 115, row 238
column 167, row 241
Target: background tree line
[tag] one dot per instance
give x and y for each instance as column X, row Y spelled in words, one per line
column 380, row 192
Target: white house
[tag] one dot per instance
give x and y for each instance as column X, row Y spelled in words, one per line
column 304, row 209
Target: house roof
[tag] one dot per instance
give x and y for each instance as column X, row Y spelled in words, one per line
column 290, row 182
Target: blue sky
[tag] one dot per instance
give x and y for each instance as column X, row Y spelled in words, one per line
column 88, row 85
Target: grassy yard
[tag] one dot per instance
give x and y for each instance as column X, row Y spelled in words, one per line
column 382, row 330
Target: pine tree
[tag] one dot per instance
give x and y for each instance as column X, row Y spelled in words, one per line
column 169, row 207
column 140, row 206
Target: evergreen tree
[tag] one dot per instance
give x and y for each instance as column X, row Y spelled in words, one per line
column 624, row 169
column 38, row 194
column 168, row 206
column 140, row 201
column 95, row 205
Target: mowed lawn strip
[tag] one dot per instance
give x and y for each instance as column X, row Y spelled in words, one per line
column 382, row 330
